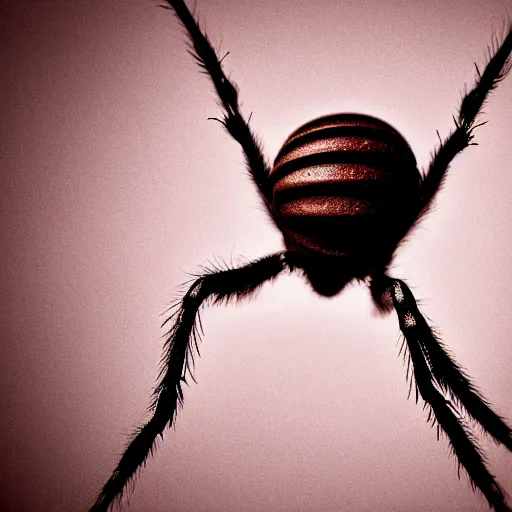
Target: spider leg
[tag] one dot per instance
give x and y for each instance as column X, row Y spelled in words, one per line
column 208, row 60
column 435, row 375
column 216, row 287
column 497, row 68
column 452, row 379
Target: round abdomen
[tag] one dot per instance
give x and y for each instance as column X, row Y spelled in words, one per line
column 342, row 183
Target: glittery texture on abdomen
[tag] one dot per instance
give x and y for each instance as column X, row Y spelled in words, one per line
column 340, row 181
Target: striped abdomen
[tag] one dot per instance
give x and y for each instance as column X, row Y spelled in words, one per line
column 342, row 183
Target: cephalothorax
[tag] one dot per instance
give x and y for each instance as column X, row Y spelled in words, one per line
column 344, row 191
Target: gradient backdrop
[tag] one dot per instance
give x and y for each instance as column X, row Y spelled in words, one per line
column 115, row 185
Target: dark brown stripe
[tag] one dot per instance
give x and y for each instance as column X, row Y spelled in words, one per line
column 323, row 145
column 327, row 206
column 342, row 119
column 341, row 133
column 331, row 174
column 375, row 191
column 375, row 159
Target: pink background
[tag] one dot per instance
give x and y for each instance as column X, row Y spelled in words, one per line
column 115, row 185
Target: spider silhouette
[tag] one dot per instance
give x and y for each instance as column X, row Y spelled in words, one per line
column 344, row 191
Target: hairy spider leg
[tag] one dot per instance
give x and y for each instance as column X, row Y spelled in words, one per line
column 497, row 68
column 437, row 375
column 218, row 286
column 207, row 59
column 452, row 379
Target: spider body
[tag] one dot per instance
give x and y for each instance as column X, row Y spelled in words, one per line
column 344, row 191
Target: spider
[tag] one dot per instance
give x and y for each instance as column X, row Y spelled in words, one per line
column 344, row 191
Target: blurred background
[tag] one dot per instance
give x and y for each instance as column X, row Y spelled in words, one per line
column 114, row 186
